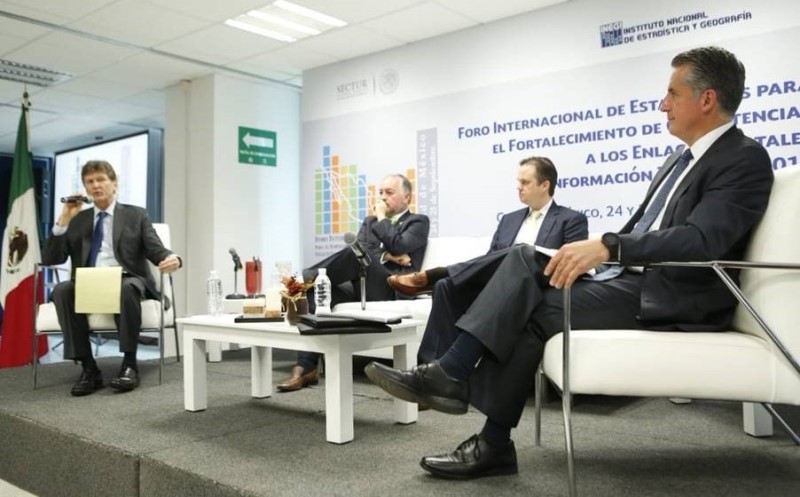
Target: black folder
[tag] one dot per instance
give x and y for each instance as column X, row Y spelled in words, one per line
column 311, row 324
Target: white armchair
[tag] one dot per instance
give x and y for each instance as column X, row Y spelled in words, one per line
column 155, row 318
column 756, row 361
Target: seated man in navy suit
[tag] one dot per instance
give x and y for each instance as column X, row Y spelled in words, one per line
column 542, row 222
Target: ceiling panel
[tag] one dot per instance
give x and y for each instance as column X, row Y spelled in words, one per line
column 484, row 12
column 355, row 11
column 123, row 112
column 11, row 91
column 220, row 44
column 211, row 10
column 139, row 23
column 69, row 53
column 57, row 11
column 150, row 71
column 151, row 99
column 292, row 59
column 88, row 85
column 352, row 42
column 420, row 22
column 19, row 29
column 55, row 100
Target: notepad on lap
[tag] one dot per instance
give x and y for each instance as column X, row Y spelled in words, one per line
column 98, row 289
column 387, row 317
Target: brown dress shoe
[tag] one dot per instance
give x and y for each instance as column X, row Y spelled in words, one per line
column 299, row 379
column 410, row 284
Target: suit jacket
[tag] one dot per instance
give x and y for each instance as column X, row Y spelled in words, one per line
column 134, row 238
column 561, row 225
column 409, row 235
column 711, row 215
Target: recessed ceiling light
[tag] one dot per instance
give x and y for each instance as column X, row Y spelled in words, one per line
column 32, row 75
column 285, row 21
column 311, row 14
column 259, row 31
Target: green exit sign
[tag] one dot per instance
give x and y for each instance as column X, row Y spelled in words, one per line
column 258, row 146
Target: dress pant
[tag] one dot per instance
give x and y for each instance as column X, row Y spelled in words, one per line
column 513, row 314
column 76, row 327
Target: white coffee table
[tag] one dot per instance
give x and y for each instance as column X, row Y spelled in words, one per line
column 198, row 331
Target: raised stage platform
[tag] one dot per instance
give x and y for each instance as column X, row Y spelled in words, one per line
column 144, row 444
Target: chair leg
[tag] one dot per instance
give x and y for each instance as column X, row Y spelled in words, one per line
column 566, row 403
column 537, row 407
column 35, row 358
column 756, row 420
column 177, row 344
column 782, row 422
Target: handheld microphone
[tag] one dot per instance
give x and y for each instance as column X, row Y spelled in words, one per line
column 351, row 240
column 74, row 199
column 237, row 262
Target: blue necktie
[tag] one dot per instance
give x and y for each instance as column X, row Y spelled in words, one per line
column 653, row 210
column 97, row 239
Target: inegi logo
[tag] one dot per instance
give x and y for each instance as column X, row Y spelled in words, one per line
column 611, row 34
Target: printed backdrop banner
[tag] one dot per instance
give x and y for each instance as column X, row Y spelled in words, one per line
column 599, row 123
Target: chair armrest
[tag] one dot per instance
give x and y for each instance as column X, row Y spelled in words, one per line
column 719, row 267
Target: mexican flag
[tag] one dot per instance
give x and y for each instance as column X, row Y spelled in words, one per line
column 20, row 253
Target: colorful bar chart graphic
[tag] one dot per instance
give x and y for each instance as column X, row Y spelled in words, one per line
column 343, row 198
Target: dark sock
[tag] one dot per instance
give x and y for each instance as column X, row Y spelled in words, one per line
column 88, row 363
column 460, row 359
column 435, row 274
column 496, row 434
column 130, row 360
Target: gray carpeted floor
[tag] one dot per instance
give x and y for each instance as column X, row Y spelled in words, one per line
column 276, row 446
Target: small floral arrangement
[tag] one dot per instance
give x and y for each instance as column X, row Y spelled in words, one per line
column 294, row 288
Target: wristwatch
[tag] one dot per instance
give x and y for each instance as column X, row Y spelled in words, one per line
column 611, row 241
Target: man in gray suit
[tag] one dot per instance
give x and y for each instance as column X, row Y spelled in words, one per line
column 703, row 204
column 395, row 239
column 110, row 234
column 541, row 222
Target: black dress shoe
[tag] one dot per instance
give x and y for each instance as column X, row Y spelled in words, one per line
column 90, row 381
column 425, row 384
column 474, row 458
column 126, row 380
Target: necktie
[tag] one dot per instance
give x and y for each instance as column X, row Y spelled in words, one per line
column 660, row 200
column 97, row 239
column 535, row 215
column 653, row 210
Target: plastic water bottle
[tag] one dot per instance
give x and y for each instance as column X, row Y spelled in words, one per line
column 214, row 293
column 322, row 292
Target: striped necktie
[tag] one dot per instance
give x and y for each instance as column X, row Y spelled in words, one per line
column 653, row 210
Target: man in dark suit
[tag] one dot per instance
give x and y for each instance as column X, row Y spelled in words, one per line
column 542, row 222
column 702, row 205
column 110, row 234
column 395, row 240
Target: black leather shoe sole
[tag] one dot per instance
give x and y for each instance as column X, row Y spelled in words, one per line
column 405, row 392
column 469, row 474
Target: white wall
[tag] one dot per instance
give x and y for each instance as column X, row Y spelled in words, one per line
column 213, row 202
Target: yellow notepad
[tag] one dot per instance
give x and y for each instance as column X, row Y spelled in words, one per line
column 97, row 290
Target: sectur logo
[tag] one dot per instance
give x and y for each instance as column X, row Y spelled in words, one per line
column 17, row 248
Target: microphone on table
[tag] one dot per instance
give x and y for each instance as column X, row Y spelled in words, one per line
column 237, row 265
column 351, row 240
column 74, row 199
column 237, row 262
